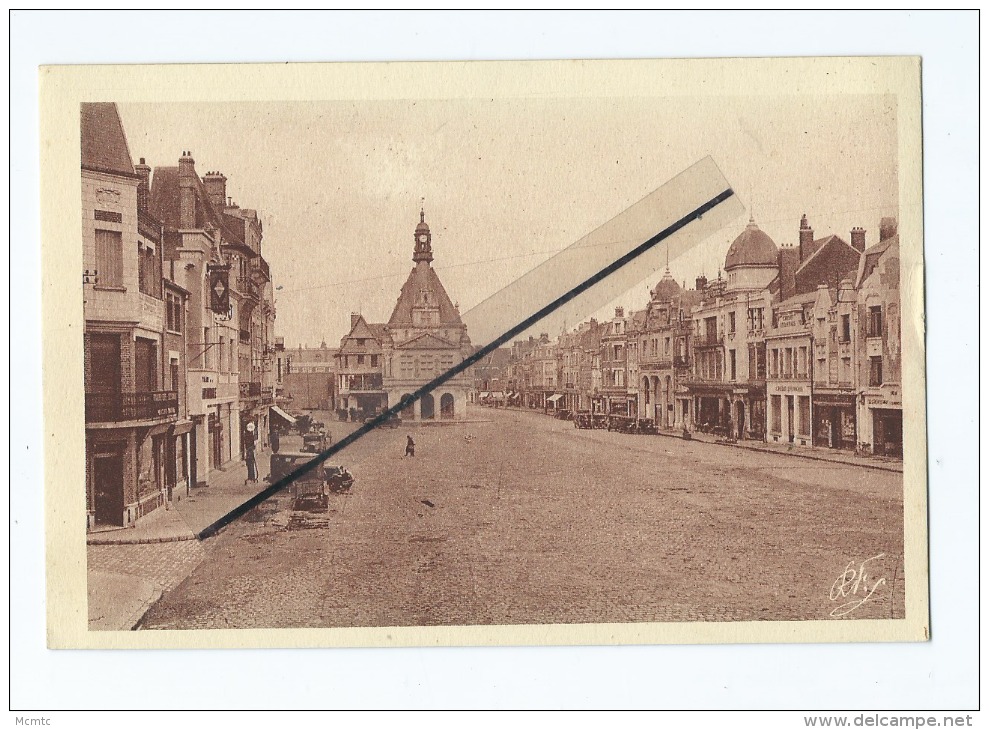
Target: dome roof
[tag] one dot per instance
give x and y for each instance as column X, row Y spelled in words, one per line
column 752, row 248
column 422, row 227
column 666, row 289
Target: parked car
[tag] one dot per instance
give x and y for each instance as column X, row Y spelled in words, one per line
column 391, row 422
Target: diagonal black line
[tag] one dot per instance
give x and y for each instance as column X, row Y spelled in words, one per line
column 480, row 354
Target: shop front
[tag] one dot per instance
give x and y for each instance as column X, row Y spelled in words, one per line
column 834, row 420
column 788, row 416
column 882, row 414
column 712, row 408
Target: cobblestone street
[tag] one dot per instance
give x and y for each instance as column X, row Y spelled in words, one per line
column 525, row 519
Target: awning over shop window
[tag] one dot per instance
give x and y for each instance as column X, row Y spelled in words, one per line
column 554, row 398
column 181, row 427
column 282, row 415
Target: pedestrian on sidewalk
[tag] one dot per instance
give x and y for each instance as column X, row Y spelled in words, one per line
column 410, row 446
column 273, row 438
column 252, row 467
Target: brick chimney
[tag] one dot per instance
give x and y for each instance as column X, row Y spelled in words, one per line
column 144, row 185
column 216, row 188
column 701, row 283
column 354, row 319
column 789, row 263
column 187, row 191
column 806, row 238
column 887, row 228
column 858, row 239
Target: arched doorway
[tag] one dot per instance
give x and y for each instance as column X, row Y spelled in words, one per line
column 646, row 400
column 408, row 413
column 446, row 405
column 657, row 406
column 427, row 407
column 739, row 420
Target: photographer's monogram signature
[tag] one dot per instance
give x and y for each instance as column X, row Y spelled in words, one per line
column 854, row 586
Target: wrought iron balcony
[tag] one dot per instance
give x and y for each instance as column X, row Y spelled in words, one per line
column 247, row 287
column 708, row 340
column 119, row 407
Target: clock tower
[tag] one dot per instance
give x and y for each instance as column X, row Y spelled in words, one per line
column 423, row 250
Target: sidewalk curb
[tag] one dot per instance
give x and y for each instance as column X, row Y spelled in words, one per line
column 138, row 540
column 813, row 457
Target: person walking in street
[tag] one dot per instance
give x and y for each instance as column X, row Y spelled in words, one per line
column 410, row 446
column 252, row 467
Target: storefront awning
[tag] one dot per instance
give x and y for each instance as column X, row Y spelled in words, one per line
column 181, row 427
column 554, row 398
column 283, row 415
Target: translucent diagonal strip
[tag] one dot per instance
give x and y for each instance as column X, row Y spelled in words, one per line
column 608, row 243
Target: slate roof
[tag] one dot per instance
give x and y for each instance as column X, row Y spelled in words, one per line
column 423, row 276
column 103, row 142
column 166, row 207
column 819, row 246
column 872, row 255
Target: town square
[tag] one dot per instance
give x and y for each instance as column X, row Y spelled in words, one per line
column 723, row 444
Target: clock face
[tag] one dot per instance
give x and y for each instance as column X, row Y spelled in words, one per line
column 422, row 238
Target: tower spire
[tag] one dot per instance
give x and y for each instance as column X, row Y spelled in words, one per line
column 423, row 250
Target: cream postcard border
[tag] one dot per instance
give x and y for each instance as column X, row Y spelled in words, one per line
column 62, row 88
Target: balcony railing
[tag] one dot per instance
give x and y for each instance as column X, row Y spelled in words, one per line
column 116, row 407
column 707, row 340
column 364, row 385
column 247, row 287
column 262, row 266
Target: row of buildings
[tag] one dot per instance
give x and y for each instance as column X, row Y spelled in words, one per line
column 795, row 344
column 179, row 325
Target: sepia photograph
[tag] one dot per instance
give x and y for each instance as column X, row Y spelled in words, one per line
column 505, row 361
column 494, row 360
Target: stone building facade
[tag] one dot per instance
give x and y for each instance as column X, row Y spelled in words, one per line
column 425, row 337
column 131, row 405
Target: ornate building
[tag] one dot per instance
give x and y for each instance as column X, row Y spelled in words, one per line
column 425, row 337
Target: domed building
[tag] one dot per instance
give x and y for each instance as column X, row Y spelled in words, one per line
column 753, row 259
column 727, row 380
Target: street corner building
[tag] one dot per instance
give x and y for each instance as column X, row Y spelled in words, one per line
column 179, row 321
column 381, row 364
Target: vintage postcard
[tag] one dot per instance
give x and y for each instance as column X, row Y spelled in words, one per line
column 484, row 353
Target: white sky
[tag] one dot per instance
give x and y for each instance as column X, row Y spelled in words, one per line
column 508, row 182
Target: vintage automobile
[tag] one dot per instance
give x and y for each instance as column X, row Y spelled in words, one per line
column 647, row 426
column 392, row 422
column 338, row 479
column 623, row 424
column 563, row 414
column 583, row 419
column 316, row 442
column 600, row 420
column 310, row 490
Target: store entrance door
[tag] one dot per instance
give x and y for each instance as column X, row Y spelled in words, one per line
column 108, row 489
